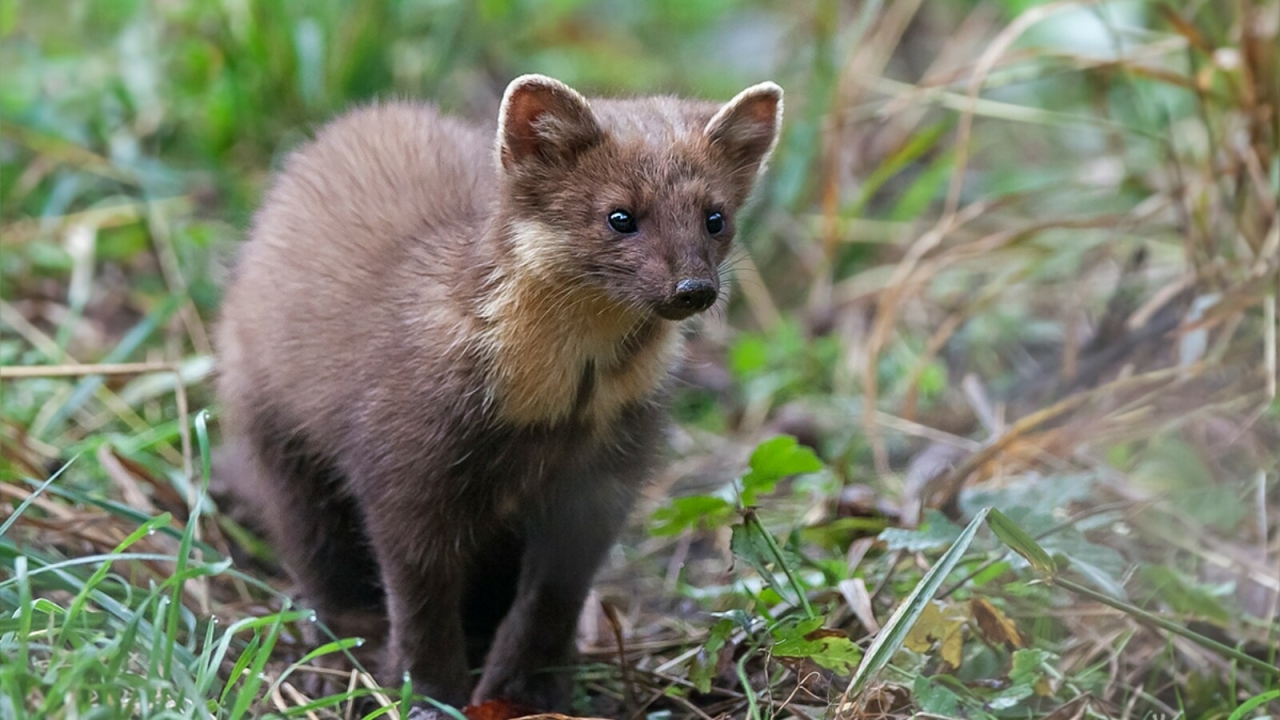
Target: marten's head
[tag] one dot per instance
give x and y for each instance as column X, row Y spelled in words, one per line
column 635, row 199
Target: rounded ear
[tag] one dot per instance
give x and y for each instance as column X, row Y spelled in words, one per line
column 543, row 120
column 746, row 128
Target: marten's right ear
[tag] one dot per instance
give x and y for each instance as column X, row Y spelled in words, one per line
column 746, row 128
column 543, row 119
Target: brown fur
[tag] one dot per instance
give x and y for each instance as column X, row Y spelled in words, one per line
column 442, row 370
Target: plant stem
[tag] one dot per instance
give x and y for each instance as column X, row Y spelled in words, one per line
column 1172, row 627
column 749, row 516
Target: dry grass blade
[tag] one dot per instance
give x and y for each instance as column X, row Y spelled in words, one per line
column 179, row 389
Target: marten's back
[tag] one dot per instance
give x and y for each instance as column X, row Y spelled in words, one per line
column 363, row 239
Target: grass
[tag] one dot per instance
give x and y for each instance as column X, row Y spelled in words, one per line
column 1011, row 281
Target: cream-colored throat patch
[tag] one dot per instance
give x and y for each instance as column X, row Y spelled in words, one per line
column 561, row 353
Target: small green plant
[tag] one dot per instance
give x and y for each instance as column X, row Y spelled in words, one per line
column 733, row 507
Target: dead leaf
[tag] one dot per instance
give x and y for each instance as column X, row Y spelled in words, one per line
column 995, row 626
column 943, row 625
column 855, row 593
column 499, row 710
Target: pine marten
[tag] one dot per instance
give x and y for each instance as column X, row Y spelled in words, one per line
column 442, row 360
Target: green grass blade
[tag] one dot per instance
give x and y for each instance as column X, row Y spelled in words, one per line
column 253, row 680
column 1254, row 703
column 1022, row 543
column 239, row 668
column 336, row 646
column 32, row 497
column 406, row 696
column 894, row 632
column 25, row 611
column 124, row 511
column 188, row 540
column 94, row 580
column 131, row 341
column 753, row 706
column 224, row 644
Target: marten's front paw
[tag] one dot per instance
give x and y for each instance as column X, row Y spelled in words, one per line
column 421, row 712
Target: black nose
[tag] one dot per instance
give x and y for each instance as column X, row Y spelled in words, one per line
column 694, row 295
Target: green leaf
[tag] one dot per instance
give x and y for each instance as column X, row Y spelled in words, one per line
column 935, row 698
column 1022, row 543
column 1038, row 497
column 747, row 544
column 748, row 356
column 1176, row 469
column 1101, row 565
column 1010, row 697
column 1027, row 664
column 895, row 631
column 831, row 649
column 1162, row 584
column 691, row 511
column 773, row 460
column 1253, row 703
column 936, row 532
column 704, row 666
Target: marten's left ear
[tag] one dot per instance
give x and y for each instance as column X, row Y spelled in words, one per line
column 543, row 119
column 746, row 128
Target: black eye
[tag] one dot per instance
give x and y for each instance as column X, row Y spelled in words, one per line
column 715, row 222
column 622, row 221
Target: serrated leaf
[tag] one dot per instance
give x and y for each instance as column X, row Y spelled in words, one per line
column 831, row 649
column 1026, row 664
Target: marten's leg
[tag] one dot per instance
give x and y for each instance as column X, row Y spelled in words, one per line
column 423, row 546
column 315, row 526
column 565, row 544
